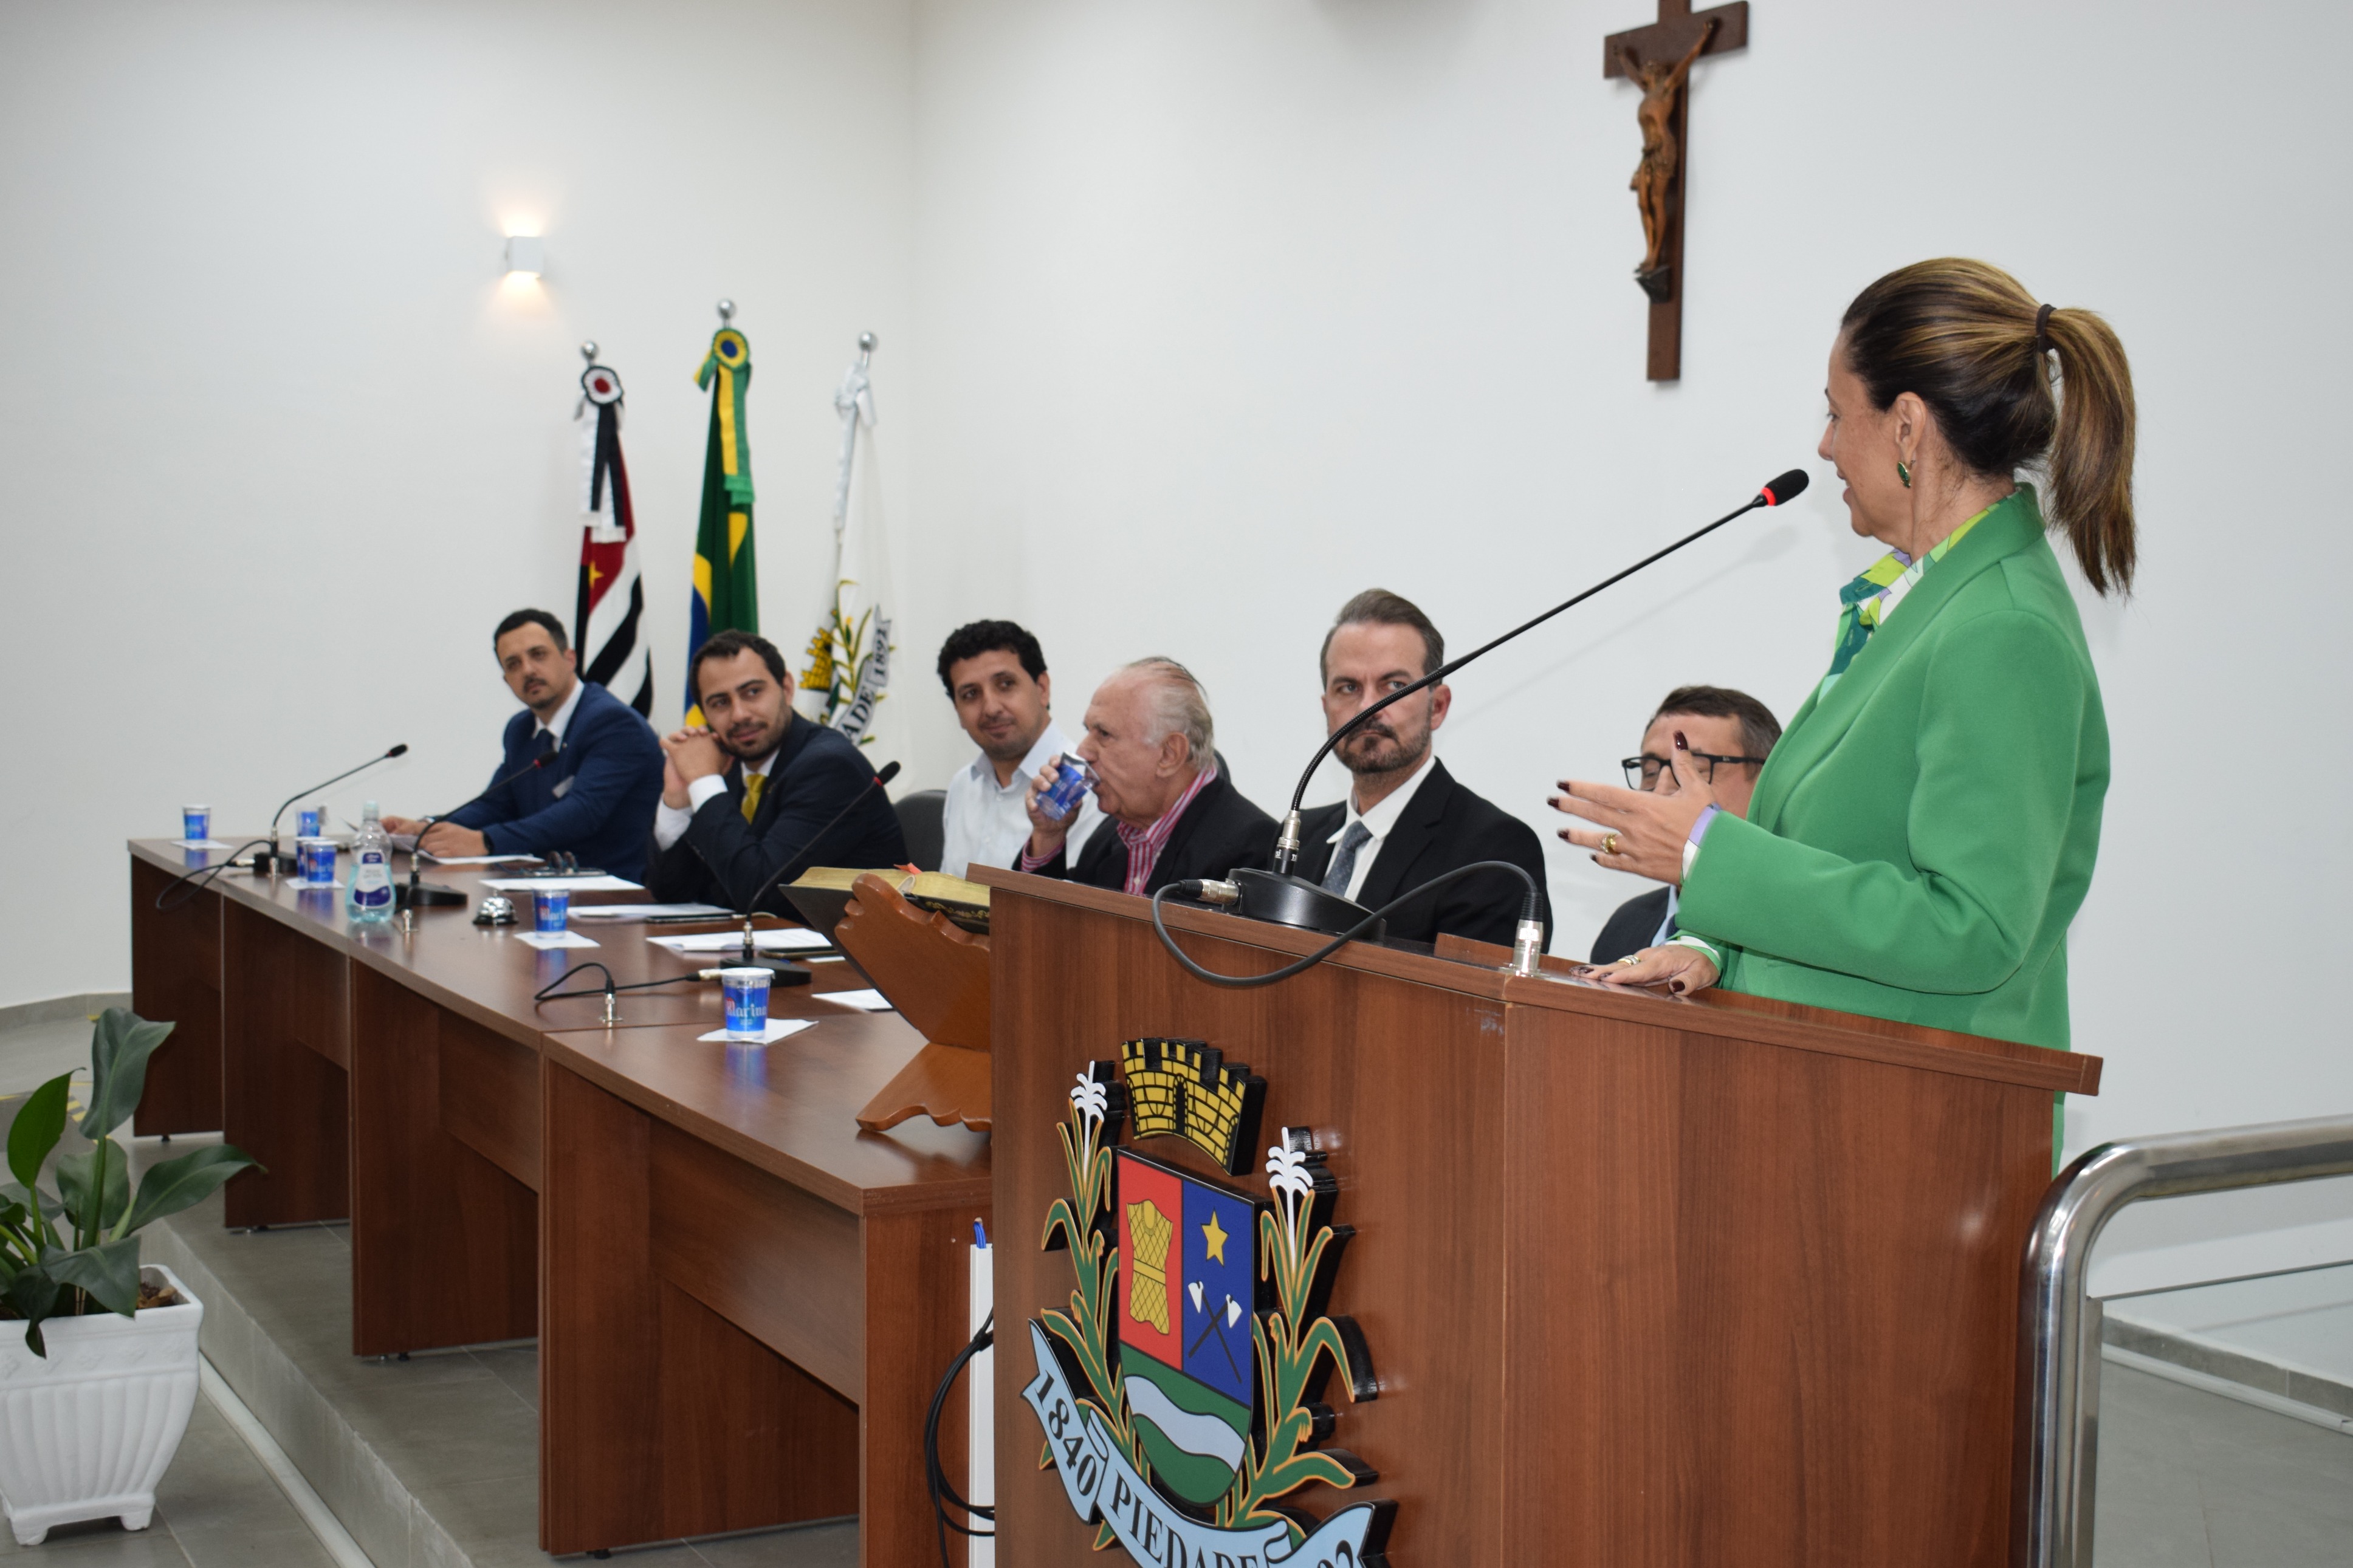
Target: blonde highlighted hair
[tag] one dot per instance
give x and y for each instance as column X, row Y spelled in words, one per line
column 1972, row 342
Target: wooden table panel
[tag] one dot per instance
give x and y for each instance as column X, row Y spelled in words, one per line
column 443, row 1242
column 765, row 1254
column 175, row 976
column 286, row 1098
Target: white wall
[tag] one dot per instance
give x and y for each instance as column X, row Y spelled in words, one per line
column 277, row 446
column 1251, row 301
column 1278, row 301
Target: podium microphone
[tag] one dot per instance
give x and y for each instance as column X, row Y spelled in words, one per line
column 793, row 973
column 416, row 893
column 1287, row 900
column 265, row 862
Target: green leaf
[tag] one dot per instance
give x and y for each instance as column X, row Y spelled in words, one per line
column 11, row 1192
column 109, row 1271
column 177, row 1183
column 118, row 1068
column 33, row 1296
column 40, row 1122
column 75, row 1173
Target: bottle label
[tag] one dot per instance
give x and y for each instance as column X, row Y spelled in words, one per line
column 371, row 881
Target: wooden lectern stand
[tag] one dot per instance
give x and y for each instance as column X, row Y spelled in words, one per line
column 1642, row 1280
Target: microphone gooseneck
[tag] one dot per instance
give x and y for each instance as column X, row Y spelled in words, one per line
column 1286, row 849
column 276, row 860
column 416, row 893
column 884, row 775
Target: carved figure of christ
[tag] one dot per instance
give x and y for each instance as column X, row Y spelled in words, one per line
column 1661, row 84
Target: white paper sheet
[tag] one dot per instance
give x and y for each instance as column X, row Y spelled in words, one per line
column 798, row 939
column 198, row 844
column 481, row 860
column 573, row 884
column 646, row 911
column 871, row 1001
column 777, row 1029
column 544, row 939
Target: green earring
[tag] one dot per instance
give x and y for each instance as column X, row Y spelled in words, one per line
column 1903, row 472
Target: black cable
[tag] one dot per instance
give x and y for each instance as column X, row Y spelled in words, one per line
column 1356, row 933
column 199, row 876
column 935, row 1478
column 549, row 992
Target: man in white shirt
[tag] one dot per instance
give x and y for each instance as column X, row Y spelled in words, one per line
column 996, row 676
column 1406, row 820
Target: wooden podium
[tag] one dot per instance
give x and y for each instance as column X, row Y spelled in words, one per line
column 1642, row 1280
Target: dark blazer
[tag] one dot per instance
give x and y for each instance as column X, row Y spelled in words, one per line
column 1444, row 826
column 1218, row 831
column 594, row 799
column 1631, row 928
column 722, row 860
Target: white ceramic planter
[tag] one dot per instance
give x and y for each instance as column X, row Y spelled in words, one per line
column 89, row 1430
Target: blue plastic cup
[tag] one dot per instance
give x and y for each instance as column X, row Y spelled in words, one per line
column 195, row 824
column 317, row 857
column 551, row 909
column 745, row 994
column 309, row 822
column 1062, row 797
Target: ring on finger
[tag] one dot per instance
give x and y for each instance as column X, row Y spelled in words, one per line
column 1610, row 844
column 1630, row 958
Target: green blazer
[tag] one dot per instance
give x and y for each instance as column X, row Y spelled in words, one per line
column 1925, row 832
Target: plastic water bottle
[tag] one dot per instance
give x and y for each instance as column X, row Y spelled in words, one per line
column 371, row 895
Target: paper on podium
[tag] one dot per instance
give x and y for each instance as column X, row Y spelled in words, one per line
column 544, row 939
column 777, row 1029
column 870, row 1000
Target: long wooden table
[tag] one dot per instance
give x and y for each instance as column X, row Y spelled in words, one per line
column 402, row 1079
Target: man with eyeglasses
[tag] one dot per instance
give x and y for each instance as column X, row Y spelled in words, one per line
column 1729, row 735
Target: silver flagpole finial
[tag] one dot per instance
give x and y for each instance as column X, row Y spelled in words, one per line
column 726, row 312
column 588, row 351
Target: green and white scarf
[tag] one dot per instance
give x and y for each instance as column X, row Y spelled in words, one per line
column 1865, row 603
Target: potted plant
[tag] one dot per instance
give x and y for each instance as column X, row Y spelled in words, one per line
column 95, row 1398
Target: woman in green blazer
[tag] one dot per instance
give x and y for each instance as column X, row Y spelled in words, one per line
column 1925, row 830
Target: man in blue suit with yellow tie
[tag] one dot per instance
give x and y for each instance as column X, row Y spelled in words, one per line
column 581, row 773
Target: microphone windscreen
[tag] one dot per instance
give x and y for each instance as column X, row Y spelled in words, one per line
column 1788, row 487
column 399, row 751
column 888, row 772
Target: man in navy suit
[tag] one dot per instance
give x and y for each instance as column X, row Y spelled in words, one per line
column 581, row 773
column 744, row 802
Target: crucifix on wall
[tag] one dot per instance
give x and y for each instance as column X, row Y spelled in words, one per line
column 1657, row 59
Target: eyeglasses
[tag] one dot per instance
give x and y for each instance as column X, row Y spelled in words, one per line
column 1643, row 772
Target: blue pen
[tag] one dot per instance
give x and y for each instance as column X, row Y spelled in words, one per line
column 979, row 1234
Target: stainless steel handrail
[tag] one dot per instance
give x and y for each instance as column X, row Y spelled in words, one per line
column 2056, row 1457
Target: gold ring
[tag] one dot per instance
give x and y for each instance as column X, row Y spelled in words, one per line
column 1610, row 844
column 1631, row 958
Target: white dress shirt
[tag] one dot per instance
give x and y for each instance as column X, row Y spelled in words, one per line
column 671, row 823
column 1377, row 822
column 987, row 822
column 562, row 721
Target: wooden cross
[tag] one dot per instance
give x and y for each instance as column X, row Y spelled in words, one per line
column 1658, row 59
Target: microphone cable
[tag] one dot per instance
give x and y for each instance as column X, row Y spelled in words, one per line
column 197, row 876
column 935, row 1477
column 1194, row 888
column 549, row 992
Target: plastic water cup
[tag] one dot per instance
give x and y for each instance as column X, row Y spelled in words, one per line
column 1062, row 797
column 551, row 909
column 746, row 992
column 310, row 822
column 196, row 822
column 317, row 857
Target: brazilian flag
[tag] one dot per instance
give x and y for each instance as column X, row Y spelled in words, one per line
column 726, row 581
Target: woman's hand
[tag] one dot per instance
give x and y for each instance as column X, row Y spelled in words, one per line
column 1642, row 831
column 1682, row 970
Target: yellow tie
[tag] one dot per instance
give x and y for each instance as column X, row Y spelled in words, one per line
column 753, row 784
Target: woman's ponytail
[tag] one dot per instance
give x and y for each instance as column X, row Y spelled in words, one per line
column 1972, row 342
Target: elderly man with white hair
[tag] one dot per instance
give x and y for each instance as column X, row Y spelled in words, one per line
column 1150, row 749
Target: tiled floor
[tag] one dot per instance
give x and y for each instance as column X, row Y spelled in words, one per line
column 2188, row 1479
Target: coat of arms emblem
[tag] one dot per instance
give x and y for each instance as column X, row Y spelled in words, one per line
column 1181, row 1393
